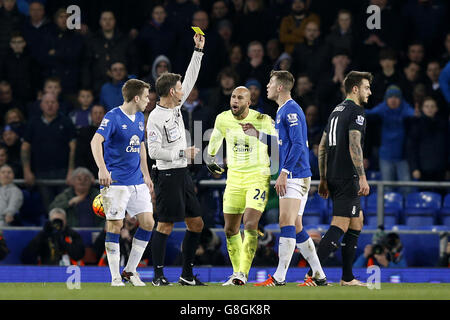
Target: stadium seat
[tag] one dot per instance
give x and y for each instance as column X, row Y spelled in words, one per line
column 374, row 175
column 421, row 208
column 32, row 212
column 180, row 224
column 445, row 211
column 315, row 210
column 272, row 226
column 393, row 205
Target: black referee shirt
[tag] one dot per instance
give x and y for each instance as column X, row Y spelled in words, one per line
column 345, row 117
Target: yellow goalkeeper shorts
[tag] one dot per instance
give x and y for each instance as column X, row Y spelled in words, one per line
column 245, row 190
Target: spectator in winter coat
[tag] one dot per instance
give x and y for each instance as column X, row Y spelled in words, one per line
column 10, row 20
column 20, row 69
column 105, row 46
column 427, row 144
column 111, row 92
column 393, row 114
column 157, row 37
column 62, row 52
column 77, row 200
column 11, row 197
column 444, row 82
column 292, row 27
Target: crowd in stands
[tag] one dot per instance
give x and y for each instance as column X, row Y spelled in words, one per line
column 57, row 83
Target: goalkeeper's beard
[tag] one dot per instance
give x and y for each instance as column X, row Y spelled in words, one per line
column 238, row 112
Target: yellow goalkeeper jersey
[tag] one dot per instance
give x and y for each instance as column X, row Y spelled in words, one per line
column 245, row 154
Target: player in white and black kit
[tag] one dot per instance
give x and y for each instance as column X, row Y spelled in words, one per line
column 174, row 188
column 342, row 175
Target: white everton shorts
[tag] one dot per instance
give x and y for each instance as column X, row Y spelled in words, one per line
column 133, row 199
column 298, row 188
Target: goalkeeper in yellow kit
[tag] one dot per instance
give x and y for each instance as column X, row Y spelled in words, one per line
column 248, row 177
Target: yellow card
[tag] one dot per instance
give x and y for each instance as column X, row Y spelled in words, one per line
column 198, row 30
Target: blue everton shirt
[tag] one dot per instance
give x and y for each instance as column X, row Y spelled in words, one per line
column 122, row 146
column 293, row 140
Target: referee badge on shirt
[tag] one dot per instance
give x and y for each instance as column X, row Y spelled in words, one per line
column 152, row 135
column 172, row 132
column 360, row 120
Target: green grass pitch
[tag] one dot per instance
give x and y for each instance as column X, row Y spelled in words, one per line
column 215, row 291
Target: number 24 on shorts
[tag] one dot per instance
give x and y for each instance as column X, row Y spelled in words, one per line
column 260, row 195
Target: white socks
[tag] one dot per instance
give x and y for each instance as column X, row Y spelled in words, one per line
column 286, row 249
column 113, row 253
column 308, row 251
column 137, row 250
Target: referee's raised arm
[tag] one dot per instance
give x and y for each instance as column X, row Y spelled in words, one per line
column 194, row 67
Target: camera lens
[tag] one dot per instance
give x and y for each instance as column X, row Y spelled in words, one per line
column 57, row 224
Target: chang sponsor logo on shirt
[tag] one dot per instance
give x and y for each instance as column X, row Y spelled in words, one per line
column 242, row 148
column 134, row 141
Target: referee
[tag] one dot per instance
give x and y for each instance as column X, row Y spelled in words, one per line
column 175, row 195
column 342, row 175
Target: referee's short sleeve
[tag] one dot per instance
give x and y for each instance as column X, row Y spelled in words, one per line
column 357, row 120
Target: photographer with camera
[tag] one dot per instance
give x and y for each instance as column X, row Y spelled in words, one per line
column 387, row 253
column 3, row 247
column 56, row 244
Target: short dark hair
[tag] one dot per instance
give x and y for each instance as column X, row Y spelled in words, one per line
column 165, row 82
column 388, row 54
column 285, row 78
column 52, row 79
column 132, row 88
column 16, row 34
column 230, row 73
column 354, row 78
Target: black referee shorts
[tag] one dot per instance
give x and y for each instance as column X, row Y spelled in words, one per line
column 344, row 194
column 175, row 195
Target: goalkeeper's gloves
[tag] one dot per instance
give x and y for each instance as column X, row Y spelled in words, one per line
column 212, row 166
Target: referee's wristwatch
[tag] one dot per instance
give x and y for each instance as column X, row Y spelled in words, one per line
column 198, row 49
column 182, row 154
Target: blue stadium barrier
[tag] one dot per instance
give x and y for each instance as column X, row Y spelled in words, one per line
column 88, row 274
column 421, row 250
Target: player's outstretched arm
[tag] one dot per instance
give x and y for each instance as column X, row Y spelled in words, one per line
column 322, row 159
column 356, row 154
